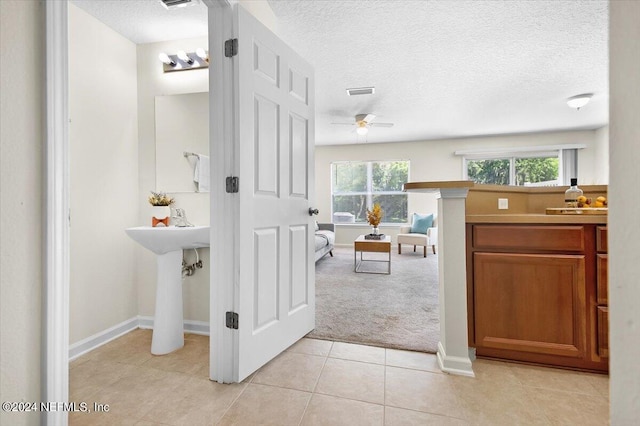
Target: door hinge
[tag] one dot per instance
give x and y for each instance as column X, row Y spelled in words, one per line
column 232, row 320
column 231, row 47
column 232, row 184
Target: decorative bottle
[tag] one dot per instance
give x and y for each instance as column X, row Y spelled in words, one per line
column 571, row 195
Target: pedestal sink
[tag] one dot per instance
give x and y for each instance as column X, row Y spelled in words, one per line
column 168, row 243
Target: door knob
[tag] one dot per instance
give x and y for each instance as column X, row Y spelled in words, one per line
column 313, row 211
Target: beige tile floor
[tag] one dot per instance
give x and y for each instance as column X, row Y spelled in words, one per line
column 318, row 382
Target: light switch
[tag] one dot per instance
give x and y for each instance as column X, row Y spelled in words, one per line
column 503, row 203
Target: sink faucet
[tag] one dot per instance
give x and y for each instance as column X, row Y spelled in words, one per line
column 179, row 218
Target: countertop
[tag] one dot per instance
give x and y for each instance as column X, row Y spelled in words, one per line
column 536, row 218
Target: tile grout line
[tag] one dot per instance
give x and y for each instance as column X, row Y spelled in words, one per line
column 326, row 358
column 313, row 391
column 384, row 389
column 235, row 400
column 348, row 398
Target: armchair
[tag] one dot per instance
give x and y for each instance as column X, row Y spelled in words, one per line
column 429, row 239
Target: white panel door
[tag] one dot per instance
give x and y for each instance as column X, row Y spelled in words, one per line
column 275, row 289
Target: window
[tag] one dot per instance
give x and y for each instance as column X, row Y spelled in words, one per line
column 528, row 169
column 541, row 165
column 356, row 186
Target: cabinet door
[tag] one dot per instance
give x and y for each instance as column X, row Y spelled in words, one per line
column 530, row 303
column 603, row 331
column 602, row 278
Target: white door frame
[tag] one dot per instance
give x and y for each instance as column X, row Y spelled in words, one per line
column 55, row 314
column 222, row 133
column 55, row 328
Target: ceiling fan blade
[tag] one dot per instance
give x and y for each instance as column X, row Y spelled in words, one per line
column 345, row 124
column 369, row 118
column 381, row 124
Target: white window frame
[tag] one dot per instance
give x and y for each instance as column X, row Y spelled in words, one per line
column 369, row 193
column 512, row 156
column 527, row 152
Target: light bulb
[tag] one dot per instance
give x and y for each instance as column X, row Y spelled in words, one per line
column 182, row 55
column 579, row 101
column 166, row 59
column 362, row 129
column 202, row 54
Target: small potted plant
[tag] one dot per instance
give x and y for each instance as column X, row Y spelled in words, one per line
column 160, row 208
column 374, row 216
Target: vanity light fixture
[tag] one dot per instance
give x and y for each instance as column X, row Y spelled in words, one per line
column 183, row 61
column 202, row 54
column 182, row 55
column 579, row 101
column 166, row 59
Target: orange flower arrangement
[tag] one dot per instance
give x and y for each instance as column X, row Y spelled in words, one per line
column 374, row 216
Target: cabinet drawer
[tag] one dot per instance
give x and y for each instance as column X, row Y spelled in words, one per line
column 529, row 237
column 602, row 263
column 601, row 239
column 603, row 331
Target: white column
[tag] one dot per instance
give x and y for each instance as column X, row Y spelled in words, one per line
column 453, row 348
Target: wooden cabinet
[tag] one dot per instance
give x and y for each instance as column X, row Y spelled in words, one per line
column 533, row 295
column 602, row 299
column 603, row 331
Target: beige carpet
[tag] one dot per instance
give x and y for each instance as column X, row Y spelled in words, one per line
column 394, row 311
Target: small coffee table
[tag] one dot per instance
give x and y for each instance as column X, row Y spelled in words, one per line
column 372, row 246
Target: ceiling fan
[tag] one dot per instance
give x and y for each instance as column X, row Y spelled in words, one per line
column 363, row 122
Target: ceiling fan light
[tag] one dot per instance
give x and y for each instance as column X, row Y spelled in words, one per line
column 579, row 101
column 362, row 129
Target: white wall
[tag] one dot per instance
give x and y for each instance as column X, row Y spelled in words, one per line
column 152, row 82
column 262, row 11
column 435, row 160
column 600, row 165
column 624, row 232
column 21, row 202
column 103, row 140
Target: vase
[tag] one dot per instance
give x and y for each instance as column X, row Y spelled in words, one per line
column 160, row 215
column 376, row 231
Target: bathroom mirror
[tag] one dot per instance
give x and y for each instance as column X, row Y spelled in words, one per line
column 182, row 125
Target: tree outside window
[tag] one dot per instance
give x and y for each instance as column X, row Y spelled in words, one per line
column 517, row 170
column 356, row 186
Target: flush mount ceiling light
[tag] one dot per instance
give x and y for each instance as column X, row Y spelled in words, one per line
column 579, row 101
column 184, row 61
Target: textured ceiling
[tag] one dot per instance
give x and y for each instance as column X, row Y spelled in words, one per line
column 148, row 21
column 445, row 69
column 442, row 69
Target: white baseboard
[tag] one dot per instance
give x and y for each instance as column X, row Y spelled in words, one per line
column 460, row 366
column 190, row 326
column 99, row 339
column 93, row 342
